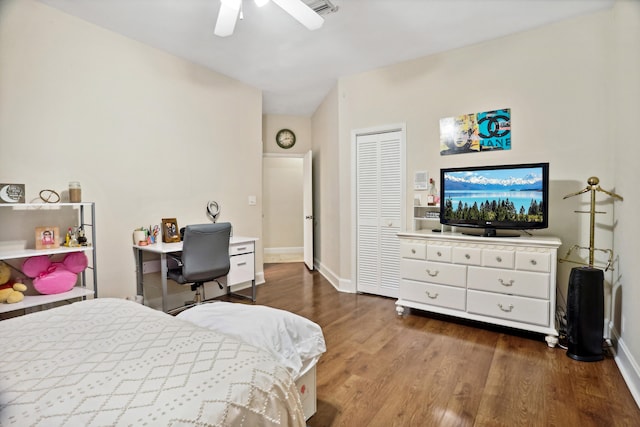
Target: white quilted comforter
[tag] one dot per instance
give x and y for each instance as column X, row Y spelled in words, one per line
column 107, row 362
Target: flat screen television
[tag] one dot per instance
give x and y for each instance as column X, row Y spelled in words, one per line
column 492, row 198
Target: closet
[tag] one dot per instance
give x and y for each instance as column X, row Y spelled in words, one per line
column 379, row 200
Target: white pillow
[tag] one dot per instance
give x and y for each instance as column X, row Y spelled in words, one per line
column 295, row 341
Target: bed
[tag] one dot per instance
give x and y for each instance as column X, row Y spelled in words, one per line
column 115, row 362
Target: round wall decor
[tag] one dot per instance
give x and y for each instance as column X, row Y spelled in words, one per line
column 285, row 138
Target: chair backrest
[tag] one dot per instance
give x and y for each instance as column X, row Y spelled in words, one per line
column 205, row 251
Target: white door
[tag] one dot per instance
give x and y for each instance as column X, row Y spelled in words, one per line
column 379, row 200
column 307, row 209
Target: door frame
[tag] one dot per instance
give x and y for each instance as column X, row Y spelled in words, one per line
column 295, row 156
column 399, row 127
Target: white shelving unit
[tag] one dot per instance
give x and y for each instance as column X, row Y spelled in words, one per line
column 18, row 243
column 426, row 217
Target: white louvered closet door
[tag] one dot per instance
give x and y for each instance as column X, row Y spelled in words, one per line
column 378, row 212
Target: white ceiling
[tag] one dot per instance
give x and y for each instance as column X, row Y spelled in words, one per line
column 294, row 67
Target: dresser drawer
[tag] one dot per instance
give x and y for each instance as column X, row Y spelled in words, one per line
column 439, row 253
column 533, row 261
column 434, row 272
column 512, row 282
column 242, row 269
column 427, row 293
column 498, row 258
column 469, row 256
column 518, row 309
column 241, row 248
column 413, row 250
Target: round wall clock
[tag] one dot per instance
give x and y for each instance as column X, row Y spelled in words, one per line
column 285, row 138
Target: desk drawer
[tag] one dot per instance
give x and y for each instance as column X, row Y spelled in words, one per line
column 241, row 248
column 242, row 269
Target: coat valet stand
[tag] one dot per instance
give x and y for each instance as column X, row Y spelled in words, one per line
column 585, row 298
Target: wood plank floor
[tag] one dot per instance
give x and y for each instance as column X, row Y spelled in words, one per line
column 424, row 370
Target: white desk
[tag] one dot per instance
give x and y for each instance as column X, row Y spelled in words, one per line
column 242, row 256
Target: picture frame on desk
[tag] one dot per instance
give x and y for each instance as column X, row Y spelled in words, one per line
column 170, row 231
column 47, row 237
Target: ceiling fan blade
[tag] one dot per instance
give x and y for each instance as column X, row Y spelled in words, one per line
column 227, row 17
column 302, row 13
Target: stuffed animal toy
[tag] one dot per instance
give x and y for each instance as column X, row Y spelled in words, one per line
column 10, row 292
column 55, row 277
column 13, row 294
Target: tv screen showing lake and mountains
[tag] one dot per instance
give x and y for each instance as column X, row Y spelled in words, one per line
column 494, row 195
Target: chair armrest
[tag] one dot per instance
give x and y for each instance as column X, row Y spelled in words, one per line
column 177, row 257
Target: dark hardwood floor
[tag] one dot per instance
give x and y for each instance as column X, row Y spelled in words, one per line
column 424, row 370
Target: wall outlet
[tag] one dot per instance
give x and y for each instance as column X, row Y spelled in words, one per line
column 252, row 200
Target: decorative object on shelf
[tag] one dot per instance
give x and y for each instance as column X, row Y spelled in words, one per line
column 285, row 138
column 47, row 237
column 468, row 133
column 593, row 186
column 13, row 294
column 140, row 236
column 55, row 277
column 213, row 210
column 75, row 192
column 12, row 193
column 49, row 196
column 433, row 193
column 170, row 231
column 10, row 291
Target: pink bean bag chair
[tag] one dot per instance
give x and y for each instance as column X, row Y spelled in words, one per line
column 55, row 277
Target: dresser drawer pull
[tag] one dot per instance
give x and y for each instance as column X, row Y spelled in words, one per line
column 241, row 263
column 503, row 283
column 506, row 310
column 439, row 253
column 432, row 274
column 499, row 259
column 413, row 251
column 533, row 262
column 434, row 296
column 467, row 256
column 242, row 248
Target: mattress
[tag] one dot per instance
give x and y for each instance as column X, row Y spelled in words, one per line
column 115, row 362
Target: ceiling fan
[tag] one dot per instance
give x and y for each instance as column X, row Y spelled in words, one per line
column 231, row 9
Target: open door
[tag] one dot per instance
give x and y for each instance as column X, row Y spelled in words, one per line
column 307, row 202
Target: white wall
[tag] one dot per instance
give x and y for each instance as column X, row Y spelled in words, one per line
column 301, row 126
column 147, row 134
column 624, row 142
column 326, row 186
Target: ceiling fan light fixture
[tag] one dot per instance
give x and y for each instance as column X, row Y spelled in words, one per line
column 227, row 17
column 301, row 13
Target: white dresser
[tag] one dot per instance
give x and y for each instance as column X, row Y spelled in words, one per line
column 508, row 281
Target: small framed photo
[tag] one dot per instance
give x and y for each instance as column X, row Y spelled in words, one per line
column 170, row 232
column 47, row 237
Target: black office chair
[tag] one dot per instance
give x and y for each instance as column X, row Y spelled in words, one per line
column 204, row 257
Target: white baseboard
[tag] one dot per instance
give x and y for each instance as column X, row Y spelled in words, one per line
column 341, row 285
column 284, row 250
column 627, row 365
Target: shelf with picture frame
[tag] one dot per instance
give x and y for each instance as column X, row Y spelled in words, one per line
column 19, row 242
